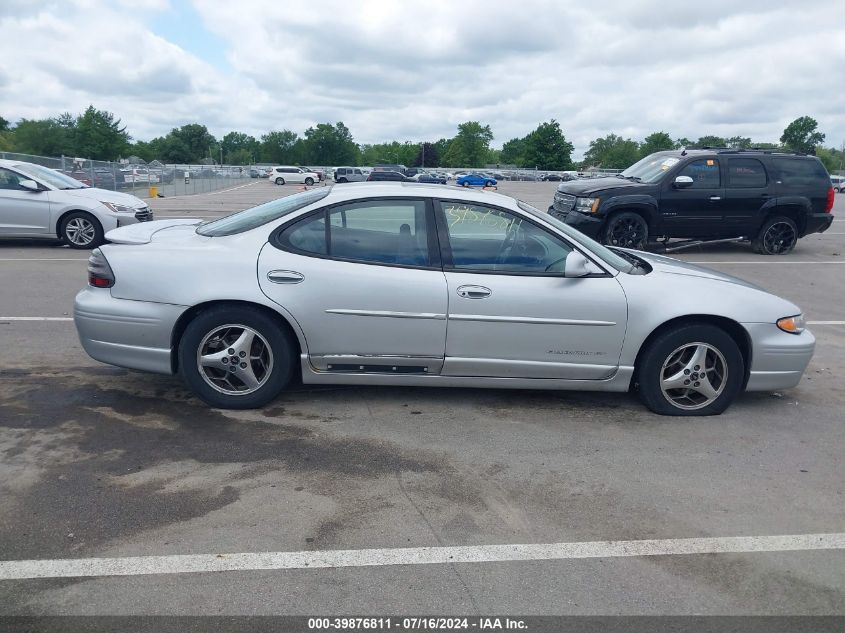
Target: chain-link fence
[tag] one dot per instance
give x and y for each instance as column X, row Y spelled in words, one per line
column 142, row 180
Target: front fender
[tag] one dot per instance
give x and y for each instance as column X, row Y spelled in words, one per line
column 643, row 203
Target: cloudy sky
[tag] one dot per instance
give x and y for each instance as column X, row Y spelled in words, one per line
column 413, row 70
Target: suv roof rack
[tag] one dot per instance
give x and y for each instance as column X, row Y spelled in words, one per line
column 758, row 150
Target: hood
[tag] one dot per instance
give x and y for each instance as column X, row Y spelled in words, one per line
column 590, row 186
column 142, row 233
column 105, row 195
column 668, row 265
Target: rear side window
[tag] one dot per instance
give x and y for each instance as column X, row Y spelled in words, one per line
column 704, row 173
column 746, row 172
column 801, row 172
column 377, row 231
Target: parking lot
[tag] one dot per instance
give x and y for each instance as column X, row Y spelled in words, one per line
column 101, row 462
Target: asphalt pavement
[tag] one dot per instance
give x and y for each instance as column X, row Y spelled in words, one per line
column 100, row 462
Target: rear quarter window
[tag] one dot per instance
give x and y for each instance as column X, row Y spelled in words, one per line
column 801, row 172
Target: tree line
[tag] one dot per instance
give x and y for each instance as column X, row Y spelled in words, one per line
column 99, row 135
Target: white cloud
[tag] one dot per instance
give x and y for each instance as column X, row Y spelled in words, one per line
column 414, row 70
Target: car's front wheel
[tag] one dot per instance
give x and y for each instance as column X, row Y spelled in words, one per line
column 234, row 357
column 692, row 369
column 777, row 236
column 309, row 181
column 626, row 230
column 465, row 183
column 280, row 181
column 81, row 230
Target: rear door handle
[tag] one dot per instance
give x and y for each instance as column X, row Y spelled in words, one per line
column 285, row 277
column 715, row 197
column 474, row 292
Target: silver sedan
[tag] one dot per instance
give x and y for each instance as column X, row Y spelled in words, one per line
column 412, row 284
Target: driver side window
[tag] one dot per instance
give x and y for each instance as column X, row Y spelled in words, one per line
column 10, row 180
column 484, row 239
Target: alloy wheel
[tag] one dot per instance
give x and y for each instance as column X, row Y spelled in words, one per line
column 779, row 238
column 235, row 359
column 693, row 376
column 80, row 231
column 626, row 232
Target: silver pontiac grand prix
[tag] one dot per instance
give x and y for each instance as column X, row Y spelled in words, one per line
column 410, row 284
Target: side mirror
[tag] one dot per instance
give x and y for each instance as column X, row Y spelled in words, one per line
column 29, row 185
column 681, row 182
column 579, row 266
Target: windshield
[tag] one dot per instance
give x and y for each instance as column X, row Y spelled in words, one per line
column 262, row 214
column 652, row 167
column 607, row 256
column 49, row 176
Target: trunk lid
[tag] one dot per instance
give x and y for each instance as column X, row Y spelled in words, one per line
column 174, row 229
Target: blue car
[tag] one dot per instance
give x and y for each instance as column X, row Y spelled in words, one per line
column 476, row 180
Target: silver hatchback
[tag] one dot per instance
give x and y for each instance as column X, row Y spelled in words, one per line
column 412, row 284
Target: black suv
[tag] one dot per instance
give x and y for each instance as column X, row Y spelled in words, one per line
column 770, row 198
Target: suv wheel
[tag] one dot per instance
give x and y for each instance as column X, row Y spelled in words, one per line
column 343, row 180
column 778, row 236
column 81, row 230
column 235, row 357
column 280, row 181
column 694, row 369
column 309, row 181
column 626, row 230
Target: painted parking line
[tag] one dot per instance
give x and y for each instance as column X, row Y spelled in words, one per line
column 255, row 561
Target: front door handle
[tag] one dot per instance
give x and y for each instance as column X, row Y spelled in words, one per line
column 474, row 292
column 285, row 277
column 715, row 197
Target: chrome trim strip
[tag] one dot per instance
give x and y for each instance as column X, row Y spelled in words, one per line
column 530, row 320
column 388, row 314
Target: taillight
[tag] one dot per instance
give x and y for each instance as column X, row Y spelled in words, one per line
column 831, row 194
column 100, row 274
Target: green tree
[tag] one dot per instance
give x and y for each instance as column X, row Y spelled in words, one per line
column 547, row 148
column 470, row 146
column 612, row 152
column 328, row 144
column 239, row 148
column 833, row 159
column 711, row 141
column 190, row 143
column 802, row 135
column 656, row 142
column 4, row 125
column 513, row 152
column 143, row 149
column 45, row 137
column 98, row 135
column 281, row 148
column 427, row 156
column 739, row 142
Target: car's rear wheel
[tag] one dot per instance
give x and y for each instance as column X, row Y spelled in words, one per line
column 280, row 181
column 309, row 181
column 626, row 230
column 465, row 183
column 343, row 180
column 489, row 183
column 777, row 236
column 81, row 230
column 693, row 369
column 235, row 357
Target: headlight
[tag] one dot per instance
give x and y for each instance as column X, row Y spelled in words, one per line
column 118, row 208
column 587, row 205
column 793, row 324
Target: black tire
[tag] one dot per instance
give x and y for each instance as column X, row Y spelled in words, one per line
column 309, row 181
column 489, row 183
column 81, row 230
column 777, row 236
column 626, row 230
column 343, row 180
column 465, row 183
column 652, row 368
column 280, row 181
column 278, row 340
